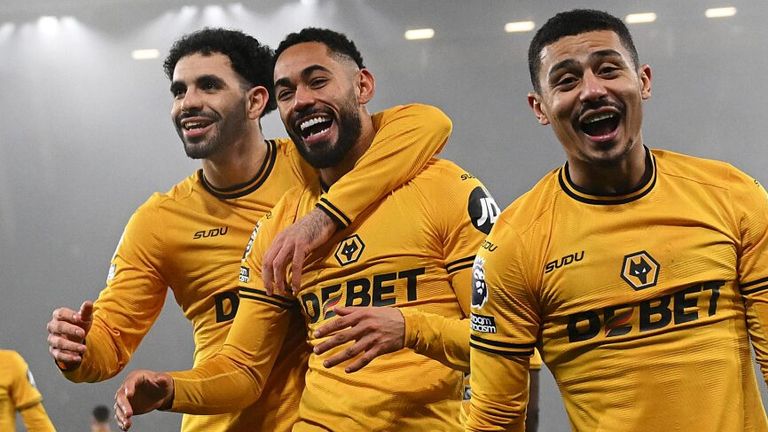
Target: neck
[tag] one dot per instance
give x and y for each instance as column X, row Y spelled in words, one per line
column 332, row 174
column 238, row 162
column 614, row 178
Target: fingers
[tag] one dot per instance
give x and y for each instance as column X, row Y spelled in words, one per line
column 363, row 360
column 123, row 409
column 279, row 265
column 266, row 268
column 344, row 320
column 65, row 351
column 297, row 264
column 85, row 314
column 353, row 351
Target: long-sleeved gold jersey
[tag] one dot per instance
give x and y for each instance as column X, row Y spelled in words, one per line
column 413, row 251
column 191, row 239
column 18, row 393
column 643, row 305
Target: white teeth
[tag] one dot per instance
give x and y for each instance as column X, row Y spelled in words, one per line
column 316, row 133
column 311, row 122
column 193, row 125
column 599, row 117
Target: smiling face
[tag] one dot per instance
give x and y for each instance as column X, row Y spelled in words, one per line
column 591, row 94
column 319, row 95
column 209, row 104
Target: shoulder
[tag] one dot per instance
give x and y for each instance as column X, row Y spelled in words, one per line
column 535, row 204
column 12, row 360
column 416, row 112
column 707, row 172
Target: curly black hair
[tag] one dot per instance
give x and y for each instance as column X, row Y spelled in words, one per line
column 251, row 59
column 572, row 23
column 337, row 43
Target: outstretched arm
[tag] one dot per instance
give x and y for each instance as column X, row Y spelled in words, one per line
column 95, row 342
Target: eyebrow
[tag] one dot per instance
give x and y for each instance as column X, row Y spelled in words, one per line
column 309, row 70
column 178, row 84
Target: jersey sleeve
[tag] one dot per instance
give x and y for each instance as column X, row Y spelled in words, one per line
column 751, row 203
column 407, row 137
column 465, row 215
column 234, row 377
column 23, row 391
column 131, row 301
column 505, row 325
column 36, row 419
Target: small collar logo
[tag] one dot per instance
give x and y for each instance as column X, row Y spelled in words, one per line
column 349, row 250
column 640, row 270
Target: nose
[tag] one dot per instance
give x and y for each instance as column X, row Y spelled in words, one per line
column 191, row 101
column 592, row 87
column 303, row 98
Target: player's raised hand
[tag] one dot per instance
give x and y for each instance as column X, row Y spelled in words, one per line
column 375, row 330
column 142, row 391
column 290, row 247
column 67, row 330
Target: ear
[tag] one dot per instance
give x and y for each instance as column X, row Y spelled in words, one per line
column 645, row 80
column 366, row 85
column 256, row 102
column 535, row 103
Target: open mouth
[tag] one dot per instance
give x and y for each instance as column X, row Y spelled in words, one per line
column 315, row 125
column 195, row 125
column 600, row 124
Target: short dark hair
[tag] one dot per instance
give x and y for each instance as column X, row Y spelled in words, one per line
column 572, row 23
column 337, row 43
column 101, row 413
column 250, row 59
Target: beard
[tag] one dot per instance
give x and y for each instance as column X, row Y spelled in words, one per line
column 225, row 131
column 328, row 154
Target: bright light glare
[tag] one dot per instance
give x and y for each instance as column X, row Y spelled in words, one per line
column 145, row 54
column 6, row 29
column 519, row 26
column 309, row 2
column 720, row 12
column 640, row 18
column 48, row 24
column 424, row 33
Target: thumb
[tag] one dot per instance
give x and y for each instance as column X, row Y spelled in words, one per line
column 86, row 313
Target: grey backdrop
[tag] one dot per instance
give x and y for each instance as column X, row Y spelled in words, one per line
column 85, row 132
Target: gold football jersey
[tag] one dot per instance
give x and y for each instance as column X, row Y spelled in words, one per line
column 643, row 305
column 191, row 239
column 18, row 393
column 413, row 251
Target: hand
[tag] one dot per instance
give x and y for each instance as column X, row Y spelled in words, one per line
column 141, row 392
column 375, row 330
column 291, row 247
column 67, row 330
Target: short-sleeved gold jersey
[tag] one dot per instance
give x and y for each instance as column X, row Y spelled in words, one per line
column 18, row 393
column 643, row 304
column 191, row 239
column 413, row 251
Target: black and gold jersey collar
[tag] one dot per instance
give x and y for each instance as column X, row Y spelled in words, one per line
column 251, row 185
column 640, row 191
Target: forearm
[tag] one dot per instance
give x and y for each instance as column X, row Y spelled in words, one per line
column 407, row 137
column 36, row 419
column 102, row 359
column 219, row 385
column 437, row 337
column 500, row 390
